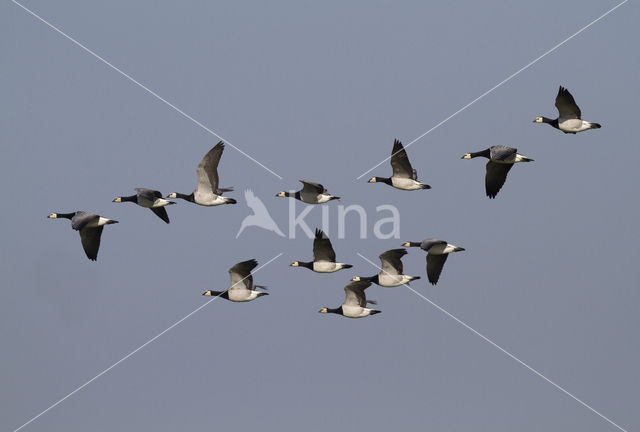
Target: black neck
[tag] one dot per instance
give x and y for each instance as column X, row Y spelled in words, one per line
column 66, row 215
column 553, row 122
column 186, row 197
column 484, row 153
column 337, row 310
column 294, row 195
column 386, row 180
column 308, row 265
column 415, row 244
column 373, row 279
column 132, row 198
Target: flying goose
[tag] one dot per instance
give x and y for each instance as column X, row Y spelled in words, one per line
column 391, row 273
column 151, row 199
column 404, row 176
column 569, row 114
column 324, row 257
column 90, row 226
column 311, row 193
column 241, row 288
column 207, row 192
column 355, row 302
column 501, row 159
column 437, row 253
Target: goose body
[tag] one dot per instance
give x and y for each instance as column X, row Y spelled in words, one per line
column 391, row 270
column 207, row 192
column 437, row 253
column 404, row 176
column 241, row 288
column 569, row 115
column 501, row 159
column 151, row 199
column 324, row 257
column 311, row 193
column 355, row 302
column 89, row 226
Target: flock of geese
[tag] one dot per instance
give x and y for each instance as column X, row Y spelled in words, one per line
column 404, row 177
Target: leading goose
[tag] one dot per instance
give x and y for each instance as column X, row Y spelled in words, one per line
column 151, row 199
column 501, row 159
column 90, row 227
column 324, row 257
column 207, row 192
column 437, row 253
column 311, row 193
column 355, row 302
column 404, row 176
column 241, row 288
column 391, row 273
column 569, row 114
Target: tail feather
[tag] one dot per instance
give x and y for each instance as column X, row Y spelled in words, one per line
column 595, row 126
column 374, row 311
column 230, row 201
column 346, row 266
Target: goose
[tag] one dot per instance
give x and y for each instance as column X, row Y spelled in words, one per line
column 437, row 253
column 311, row 193
column 324, row 257
column 355, row 302
column 260, row 217
column 207, row 192
column 501, row 159
column 404, row 176
column 391, row 272
column 241, row 288
column 90, row 226
column 569, row 114
column 151, row 199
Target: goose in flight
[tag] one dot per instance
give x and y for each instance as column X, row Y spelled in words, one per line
column 241, row 288
column 260, row 217
column 437, row 253
column 355, row 302
column 501, row 159
column 391, row 273
column 324, row 257
column 151, row 199
column 569, row 115
column 311, row 193
column 90, row 227
column 404, row 176
column 207, row 192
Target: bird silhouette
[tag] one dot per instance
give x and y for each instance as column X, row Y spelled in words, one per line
column 260, row 217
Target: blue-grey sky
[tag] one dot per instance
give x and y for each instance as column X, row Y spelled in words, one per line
column 318, row 90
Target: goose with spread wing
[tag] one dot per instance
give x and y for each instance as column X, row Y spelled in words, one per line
column 437, row 253
column 151, row 199
column 90, row 227
column 241, row 288
column 404, row 176
column 569, row 118
column 324, row 257
column 391, row 270
column 311, row 193
column 355, row 302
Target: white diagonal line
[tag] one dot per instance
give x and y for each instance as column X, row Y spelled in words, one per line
column 495, row 345
column 148, row 90
column 504, row 81
column 139, row 348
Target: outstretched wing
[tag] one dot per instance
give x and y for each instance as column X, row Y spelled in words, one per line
column 149, row 194
column 501, row 153
column 400, row 162
column 495, row 177
column 161, row 212
column 208, row 170
column 240, row 275
column 391, row 261
column 322, row 249
column 312, row 187
column 434, row 266
column 90, row 238
column 567, row 107
column 354, row 293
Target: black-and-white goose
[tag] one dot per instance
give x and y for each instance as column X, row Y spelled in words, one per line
column 501, row 159
column 437, row 253
column 391, row 273
column 324, row 257
column 207, row 192
column 241, row 288
column 355, row 302
column 151, row 199
column 90, row 227
column 311, row 193
column 404, row 176
column 569, row 116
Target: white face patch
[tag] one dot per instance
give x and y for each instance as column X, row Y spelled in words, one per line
column 53, row 215
column 372, row 180
column 355, row 278
column 467, row 156
column 172, row 195
column 538, row 120
column 295, row 264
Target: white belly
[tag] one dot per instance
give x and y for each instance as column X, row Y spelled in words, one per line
column 388, row 280
column 242, row 295
column 405, row 183
column 354, row 311
column 325, row 267
column 208, row 199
